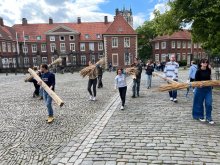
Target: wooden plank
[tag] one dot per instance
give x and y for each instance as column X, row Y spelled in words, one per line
column 52, row 94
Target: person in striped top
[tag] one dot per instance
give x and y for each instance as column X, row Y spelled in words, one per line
column 171, row 72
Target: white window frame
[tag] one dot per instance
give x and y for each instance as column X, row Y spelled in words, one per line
column 26, row 61
column 72, row 46
column 184, row 44
column 25, row 49
column 189, row 44
column 173, row 44
column 83, row 60
column 100, row 46
column 100, row 55
column 43, row 47
column 52, row 38
column 52, row 47
column 34, row 48
column 195, row 45
column 163, row 45
column 127, row 42
column 60, row 37
column 82, row 47
column 38, row 38
column 183, row 56
column 91, row 46
column 114, row 42
column 178, row 56
column 114, row 64
column 34, row 59
column 93, row 59
column 62, row 47
column 44, row 60
column 178, row 44
column 9, row 46
column 129, row 59
column 98, row 36
column 157, row 45
column 163, row 57
column 13, row 48
column 74, row 60
column 157, row 57
column 70, row 38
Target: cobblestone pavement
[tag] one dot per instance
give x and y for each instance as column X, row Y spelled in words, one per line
column 151, row 130
column 25, row 137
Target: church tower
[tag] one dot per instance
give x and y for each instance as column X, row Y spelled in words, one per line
column 127, row 14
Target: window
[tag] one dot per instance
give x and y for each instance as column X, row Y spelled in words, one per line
column 178, row 44
column 163, row 57
column 114, row 42
column 62, row 38
column 189, row 44
column 44, row 60
column 126, row 42
column 43, row 47
column 173, row 44
column 13, row 47
column 199, row 45
column 74, row 60
column 178, row 57
column 52, row 38
column 82, row 47
column 9, row 47
column 83, row 60
column 195, row 45
column 71, row 38
column 26, row 37
column 184, row 44
column 93, row 59
column 163, row 45
column 3, row 46
column 26, row 61
column 195, row 55
column 62, row 47
column 199, row 55
column 157, row 45
column 184, row 56
column 114, row 59
column 100, row 55
column 100, row 46
column 98, row 36
column 35, row 61
column 91, row 46
column 25, row 49
column 157, row 57
column 52, row 47
column 38, row 37
column 87, row 36
column 34, row 48
column 72, row 46
column 127, row 59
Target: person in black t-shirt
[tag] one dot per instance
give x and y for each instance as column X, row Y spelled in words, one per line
column 203, row 94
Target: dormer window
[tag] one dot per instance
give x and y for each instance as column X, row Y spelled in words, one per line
column 98, row 36
column 52, row 38
column 62, row 38
column 38, row 37
column 87, row 36
column 26, row 37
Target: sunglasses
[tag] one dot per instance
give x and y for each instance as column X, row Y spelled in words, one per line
column 205, row 62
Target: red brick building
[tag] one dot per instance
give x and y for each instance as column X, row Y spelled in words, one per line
column 179, row 44
column 76, row 43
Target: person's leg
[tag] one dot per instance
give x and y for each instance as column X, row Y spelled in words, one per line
column 48, row 102
column 171, row 95
column 150, row 80
column 94, row 83
column 99, row 81
column 198, row 109
column 208, row 104
column 138, row 86
column 124, row 90
column 134, row 87
column 174, row 94
column 101, row 85
column 89, row 87
column 120, row 93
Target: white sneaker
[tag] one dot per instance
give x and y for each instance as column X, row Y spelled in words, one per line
column 174, row 100
column 202, row 120
column 90, row 98
column 211, row 122
column 171, row 99
column 94, row 98
column 122, row 107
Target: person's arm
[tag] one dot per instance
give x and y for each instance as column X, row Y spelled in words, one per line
column 116, row 82
column 52, row 79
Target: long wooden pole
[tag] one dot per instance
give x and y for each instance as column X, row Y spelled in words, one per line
column 166, row 79
column 52, row 94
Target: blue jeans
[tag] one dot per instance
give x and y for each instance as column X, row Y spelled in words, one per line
column 173, row 93
column 41, row 92
column 201, row 95
column 136, row 86
column 149, row 78
column 48, row 102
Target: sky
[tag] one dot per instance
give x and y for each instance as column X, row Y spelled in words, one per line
column 39, row 11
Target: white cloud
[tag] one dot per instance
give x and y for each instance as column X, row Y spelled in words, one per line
column 162, row 7
column 138, row 19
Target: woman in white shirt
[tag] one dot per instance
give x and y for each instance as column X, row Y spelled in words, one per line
column 120, row 83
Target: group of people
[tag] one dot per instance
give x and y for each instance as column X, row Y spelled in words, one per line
column 202, row 94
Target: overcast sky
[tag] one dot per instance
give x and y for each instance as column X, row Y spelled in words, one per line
column 38, row 11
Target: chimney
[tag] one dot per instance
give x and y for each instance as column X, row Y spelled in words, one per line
column 1, row 21
column 106, row 19
column 24, row 21
column 78, row 20
column 50, row 20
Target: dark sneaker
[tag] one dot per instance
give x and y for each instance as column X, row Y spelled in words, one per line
column 133, row 96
